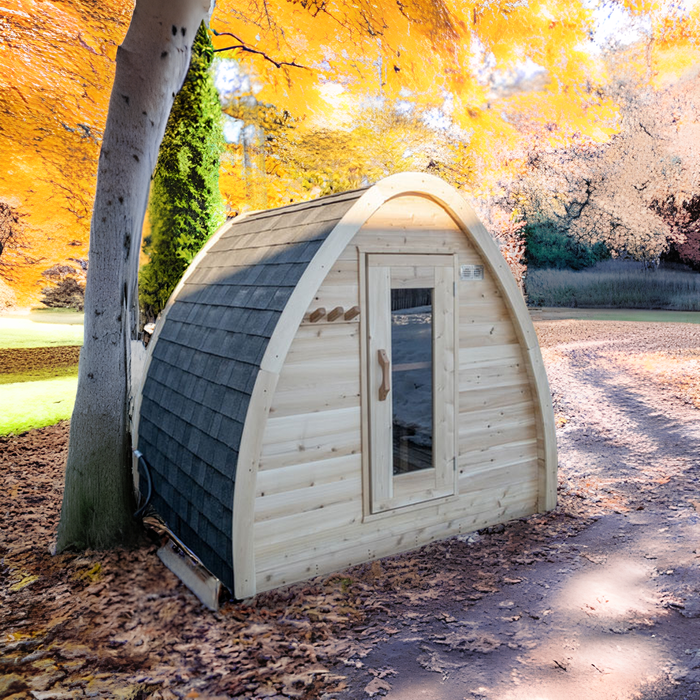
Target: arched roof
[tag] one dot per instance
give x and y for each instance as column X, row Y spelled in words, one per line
column 223, row 338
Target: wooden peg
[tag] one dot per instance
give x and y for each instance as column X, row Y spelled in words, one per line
column 351, row 313
column 317, row 315
column 336, row 313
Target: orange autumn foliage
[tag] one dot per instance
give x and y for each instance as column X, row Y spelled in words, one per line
column 455, row 56
column 424, row 51
column 56, row 71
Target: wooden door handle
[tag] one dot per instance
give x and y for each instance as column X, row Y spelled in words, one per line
column 385, row 364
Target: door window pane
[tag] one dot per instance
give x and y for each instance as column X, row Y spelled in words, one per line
column 412, row 379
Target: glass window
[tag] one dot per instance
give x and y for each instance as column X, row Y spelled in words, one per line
column 412, row 379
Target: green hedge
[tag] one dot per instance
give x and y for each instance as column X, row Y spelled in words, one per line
column 547, row 246
column 185, row 205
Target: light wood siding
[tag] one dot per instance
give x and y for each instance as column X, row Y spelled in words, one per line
column 309, row 474
column 310, row 516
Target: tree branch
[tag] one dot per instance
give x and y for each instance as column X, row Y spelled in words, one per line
column 242, row 46
column 571, row 207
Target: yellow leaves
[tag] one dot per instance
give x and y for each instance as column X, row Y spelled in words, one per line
column 674, row 62
column 89, row 575
column 515, row 74
column 26, row 580
column 667, row 49
column 674, row 51
column 309, row 160
column 508, row 69
column 435, row 20
column 642, row 7
column 540, row 30
column 369, row 47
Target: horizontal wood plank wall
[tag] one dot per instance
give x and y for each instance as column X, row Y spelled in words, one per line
column 309, row 516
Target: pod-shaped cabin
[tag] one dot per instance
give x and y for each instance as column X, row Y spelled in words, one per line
column 344, row 379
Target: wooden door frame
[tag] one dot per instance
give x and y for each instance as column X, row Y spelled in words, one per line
column 419, row 489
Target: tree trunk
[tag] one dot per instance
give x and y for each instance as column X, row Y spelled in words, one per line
column 152, row 62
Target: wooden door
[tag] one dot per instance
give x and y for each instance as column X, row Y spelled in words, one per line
column 411, row 314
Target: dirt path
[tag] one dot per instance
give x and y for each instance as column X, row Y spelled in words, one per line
column 27, row 360
column 609, row 608
column 598, row 600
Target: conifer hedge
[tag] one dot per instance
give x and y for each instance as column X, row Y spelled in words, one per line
column 185, row 205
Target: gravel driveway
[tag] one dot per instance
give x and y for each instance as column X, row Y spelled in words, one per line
column 600, row 599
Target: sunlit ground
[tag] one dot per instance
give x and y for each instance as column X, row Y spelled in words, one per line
column 25, row 332
column 638, row 315
column 29, row 405
column 33, row 395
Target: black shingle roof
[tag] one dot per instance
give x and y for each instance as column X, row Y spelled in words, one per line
column 205, row 361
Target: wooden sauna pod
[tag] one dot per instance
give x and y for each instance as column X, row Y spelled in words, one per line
column 344, row 379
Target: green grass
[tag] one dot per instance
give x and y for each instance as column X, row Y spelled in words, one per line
column 639, row 315
column 36, row 375
column 28, row 405
column 15, row 333
column 615, row 285
column 43, row 396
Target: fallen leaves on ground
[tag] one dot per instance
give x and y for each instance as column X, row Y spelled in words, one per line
column 665, row 353
column 118, row 624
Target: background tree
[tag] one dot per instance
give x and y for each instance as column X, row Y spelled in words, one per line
column 275, row 157
column 13, row 242
column 55, row 81
column 381, row 141
column 185, row 205
column 632, row 193
column 13, row 252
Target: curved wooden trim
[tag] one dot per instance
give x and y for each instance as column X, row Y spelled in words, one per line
column 463, row 214
column 244, row 488
column 396, row 185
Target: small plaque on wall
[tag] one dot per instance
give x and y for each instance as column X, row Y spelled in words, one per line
column 471, row 272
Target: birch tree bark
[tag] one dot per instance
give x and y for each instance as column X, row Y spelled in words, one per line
column 152, row 62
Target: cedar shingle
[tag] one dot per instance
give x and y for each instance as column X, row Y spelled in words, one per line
column 205, row 362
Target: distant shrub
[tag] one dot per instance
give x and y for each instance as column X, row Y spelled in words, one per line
column 13, row 242
column 547, row 246
column 67, row 294
column 68, row 290
column 683, row 216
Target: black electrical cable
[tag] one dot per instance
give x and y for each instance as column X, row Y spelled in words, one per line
column 147, row 472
